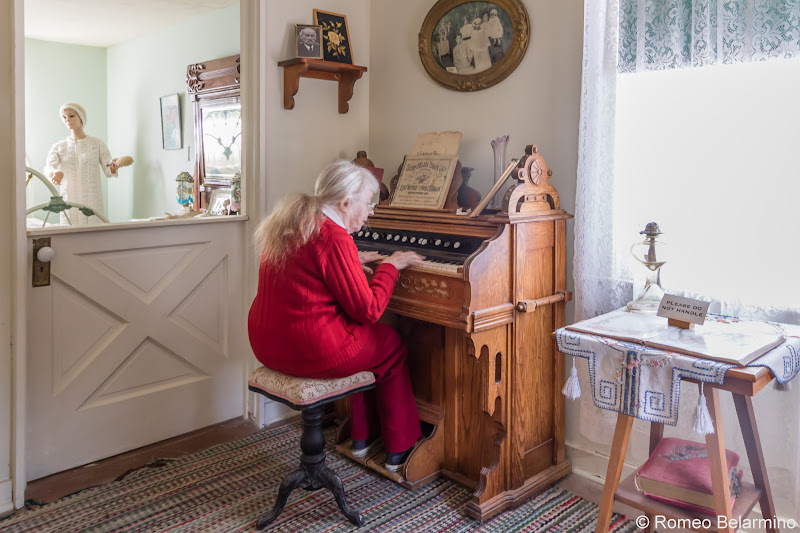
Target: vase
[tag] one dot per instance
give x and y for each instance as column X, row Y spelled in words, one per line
column 468, row 198
column 499, row 146
column 363, row 161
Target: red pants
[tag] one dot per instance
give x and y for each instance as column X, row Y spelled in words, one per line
column 389, row 408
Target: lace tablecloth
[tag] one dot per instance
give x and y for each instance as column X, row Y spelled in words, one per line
column 645, row 382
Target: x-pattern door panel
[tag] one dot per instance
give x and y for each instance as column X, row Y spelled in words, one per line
column 133, row 341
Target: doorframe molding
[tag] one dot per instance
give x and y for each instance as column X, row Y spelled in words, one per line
column 252, row 17
column 19, row 266
column 254, row 58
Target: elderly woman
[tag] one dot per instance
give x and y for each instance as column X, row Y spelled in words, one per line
column 74, row 165
column 315, row 315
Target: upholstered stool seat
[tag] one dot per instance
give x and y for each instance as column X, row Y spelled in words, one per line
column 309, row 395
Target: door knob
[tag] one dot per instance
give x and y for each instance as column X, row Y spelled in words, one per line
column 45, row 254
column 42, row 255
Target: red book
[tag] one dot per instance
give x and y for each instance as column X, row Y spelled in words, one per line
column 678, row 473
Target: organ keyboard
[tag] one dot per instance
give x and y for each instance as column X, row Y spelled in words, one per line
column 443, row 253
column 483, row 363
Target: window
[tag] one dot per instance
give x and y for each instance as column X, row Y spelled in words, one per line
column 713, row 155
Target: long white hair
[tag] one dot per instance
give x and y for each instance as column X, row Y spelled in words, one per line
column 297, row 218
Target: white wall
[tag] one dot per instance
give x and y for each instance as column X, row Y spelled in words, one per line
column 537, row 104
column 7, row 210
column 140, row 71
column 301, row 141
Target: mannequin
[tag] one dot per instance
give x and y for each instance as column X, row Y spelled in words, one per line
column 74, row 165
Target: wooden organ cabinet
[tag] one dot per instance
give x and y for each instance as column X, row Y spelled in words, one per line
column 478, row 318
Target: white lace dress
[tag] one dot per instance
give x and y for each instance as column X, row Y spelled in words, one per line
column 81, row 162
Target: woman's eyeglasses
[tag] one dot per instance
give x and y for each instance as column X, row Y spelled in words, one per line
column 372, row 205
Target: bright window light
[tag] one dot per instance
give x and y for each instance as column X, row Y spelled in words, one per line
column 713, row 155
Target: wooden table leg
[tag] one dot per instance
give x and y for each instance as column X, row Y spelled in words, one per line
column 717, row 461
column 752, row 442
column 616, row 460
column 656, row 434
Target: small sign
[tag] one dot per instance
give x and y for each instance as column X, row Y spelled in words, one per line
column 683, row 309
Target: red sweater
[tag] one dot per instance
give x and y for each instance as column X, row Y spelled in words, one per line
column 313, row 312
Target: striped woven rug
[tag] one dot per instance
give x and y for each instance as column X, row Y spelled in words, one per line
column 226, row 488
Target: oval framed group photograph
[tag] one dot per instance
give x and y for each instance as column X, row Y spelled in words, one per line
column 468, row 45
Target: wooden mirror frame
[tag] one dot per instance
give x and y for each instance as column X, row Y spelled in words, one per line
column 210, row 84
column 520, row 38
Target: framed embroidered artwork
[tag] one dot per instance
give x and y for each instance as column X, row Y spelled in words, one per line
column 336, row 44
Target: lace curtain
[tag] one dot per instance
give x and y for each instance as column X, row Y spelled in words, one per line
column 665, row 34
column 627, row 36
column 632, row 36
column 598, row 284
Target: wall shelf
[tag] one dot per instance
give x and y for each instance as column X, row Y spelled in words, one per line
column 302, row 67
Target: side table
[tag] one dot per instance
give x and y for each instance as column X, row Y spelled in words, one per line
column 743, row 384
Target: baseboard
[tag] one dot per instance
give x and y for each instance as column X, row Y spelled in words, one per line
column 6, row 502
column 271, row 412
column 591, row 464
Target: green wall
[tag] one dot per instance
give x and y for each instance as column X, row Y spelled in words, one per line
column 120, row 88
column 56, row 73
column 140, row 71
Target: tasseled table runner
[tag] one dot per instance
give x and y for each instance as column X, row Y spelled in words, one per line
column 644, row 382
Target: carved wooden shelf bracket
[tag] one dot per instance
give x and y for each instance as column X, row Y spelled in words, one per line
column 301, row 67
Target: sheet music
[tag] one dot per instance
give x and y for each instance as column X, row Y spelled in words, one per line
column 437, row 143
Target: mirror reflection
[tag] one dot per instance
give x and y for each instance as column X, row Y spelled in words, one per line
column 110, row 127
column 222, row 127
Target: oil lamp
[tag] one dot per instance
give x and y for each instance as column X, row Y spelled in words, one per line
column 650, row 253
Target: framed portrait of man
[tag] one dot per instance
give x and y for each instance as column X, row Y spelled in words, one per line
column 308, row 41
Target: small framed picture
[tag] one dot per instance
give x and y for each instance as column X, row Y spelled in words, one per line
column 335, row 37
column 219, row 202
column 171, row 137
column 308, row 41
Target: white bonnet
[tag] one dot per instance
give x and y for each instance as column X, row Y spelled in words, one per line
column 75, row 107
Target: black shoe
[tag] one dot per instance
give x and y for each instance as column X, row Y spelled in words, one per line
column 394, row 461
column 363, row 447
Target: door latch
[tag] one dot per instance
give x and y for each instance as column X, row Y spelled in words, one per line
column 42, row 255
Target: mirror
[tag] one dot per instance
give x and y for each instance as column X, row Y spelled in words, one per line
column 131, row 81
column 213, row 87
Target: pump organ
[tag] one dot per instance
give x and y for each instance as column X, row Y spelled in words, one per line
column 478, row 318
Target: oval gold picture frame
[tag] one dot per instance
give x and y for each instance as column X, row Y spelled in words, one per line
column 520, row 37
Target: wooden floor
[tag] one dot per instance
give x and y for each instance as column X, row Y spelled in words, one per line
column 53, row 487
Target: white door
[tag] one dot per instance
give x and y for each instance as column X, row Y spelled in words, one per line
column 137, row 339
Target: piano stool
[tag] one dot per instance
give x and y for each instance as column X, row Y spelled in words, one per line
column 309, row 396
